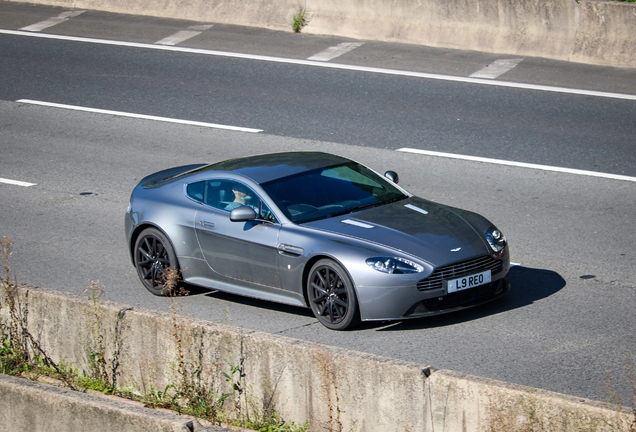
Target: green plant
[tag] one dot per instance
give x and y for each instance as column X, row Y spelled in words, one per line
column 274, row 423
column 8, row 298
column 89, row 383
column 10, row 362
column 193, row 393
column 299, row 20
column 160, row 399
column 235, row 384
column 97, row 350
column 21, row 342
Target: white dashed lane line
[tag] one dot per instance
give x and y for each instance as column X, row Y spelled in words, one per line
column 496, row 69
column 140, row 116
column 335, row 66
column 335, row 51
column 64, row 16
column 184, row 35
column 16, row 182
column 519, row 164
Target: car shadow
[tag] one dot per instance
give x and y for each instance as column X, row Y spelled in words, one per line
column 527, row 285
column 194, row 290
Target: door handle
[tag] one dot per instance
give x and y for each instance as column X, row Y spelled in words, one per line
column 207, row 224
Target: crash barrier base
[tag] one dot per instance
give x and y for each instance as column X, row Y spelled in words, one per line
column 334, row 389
column 33, row 406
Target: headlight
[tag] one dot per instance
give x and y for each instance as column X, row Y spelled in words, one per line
column 497, row 241
column 394, row 265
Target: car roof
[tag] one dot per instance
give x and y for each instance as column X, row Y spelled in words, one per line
column 267, row 167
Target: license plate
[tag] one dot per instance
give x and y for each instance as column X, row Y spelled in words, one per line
column 467, row 282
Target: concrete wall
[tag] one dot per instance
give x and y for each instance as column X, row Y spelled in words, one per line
column 589, row 32
column 597, row 32
column 28, row 406
column 334, row 389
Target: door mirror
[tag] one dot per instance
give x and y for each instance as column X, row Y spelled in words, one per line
column 393, row 176
column 243, row 214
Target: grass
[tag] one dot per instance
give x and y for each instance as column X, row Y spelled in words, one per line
column 21, row 349
column 299, row 20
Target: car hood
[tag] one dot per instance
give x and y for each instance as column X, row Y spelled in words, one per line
column 415, row 226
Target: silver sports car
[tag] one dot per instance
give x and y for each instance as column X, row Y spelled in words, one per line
column 315, row 230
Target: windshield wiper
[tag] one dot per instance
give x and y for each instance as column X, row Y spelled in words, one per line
column 392, row 200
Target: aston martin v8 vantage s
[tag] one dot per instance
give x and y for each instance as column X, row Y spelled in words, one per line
column 315, row 230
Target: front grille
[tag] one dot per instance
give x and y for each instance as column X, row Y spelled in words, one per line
column 454, row 271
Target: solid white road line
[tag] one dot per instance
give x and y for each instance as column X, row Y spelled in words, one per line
column 496, row 69
column 335, row 51
column 184, row 35
column 140, row 116
column 64, row 16
column 519, row 164
column 16, row 182
column 332, row 65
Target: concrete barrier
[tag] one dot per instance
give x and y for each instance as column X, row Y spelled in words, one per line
column 29, row 406
column 596, row 32
column 589, row 32
column 462, row 402
column 332, row 388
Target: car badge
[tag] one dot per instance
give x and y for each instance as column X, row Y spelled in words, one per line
column 456, row 249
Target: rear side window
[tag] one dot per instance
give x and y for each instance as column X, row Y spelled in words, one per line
column 196, row 191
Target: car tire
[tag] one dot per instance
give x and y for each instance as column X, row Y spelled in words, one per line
column 153, row 256
column 331, row 295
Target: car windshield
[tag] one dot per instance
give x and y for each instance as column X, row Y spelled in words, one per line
column 331, row 191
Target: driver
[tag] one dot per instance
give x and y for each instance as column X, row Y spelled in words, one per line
column 241, row 197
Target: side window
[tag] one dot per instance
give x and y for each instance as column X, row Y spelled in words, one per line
column 267, row 214
column 228, row 194
column 234, row 194
column 196, row 191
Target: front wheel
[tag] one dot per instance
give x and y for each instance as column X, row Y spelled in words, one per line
column 331, row 296
column 154, row 257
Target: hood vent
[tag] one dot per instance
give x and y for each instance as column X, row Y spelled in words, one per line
column 417, row 209
column 357, row 223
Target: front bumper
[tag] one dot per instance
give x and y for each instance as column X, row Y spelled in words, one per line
column 459, row 300
column 379, row 303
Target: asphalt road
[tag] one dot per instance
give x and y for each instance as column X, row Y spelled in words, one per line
column 313, row 101
column 567, row 325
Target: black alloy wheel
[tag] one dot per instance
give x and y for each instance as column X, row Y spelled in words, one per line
column 153, row 257
column 331, row 296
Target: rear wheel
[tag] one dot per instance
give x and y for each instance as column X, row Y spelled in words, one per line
column 331, row 296
column 154, row 257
